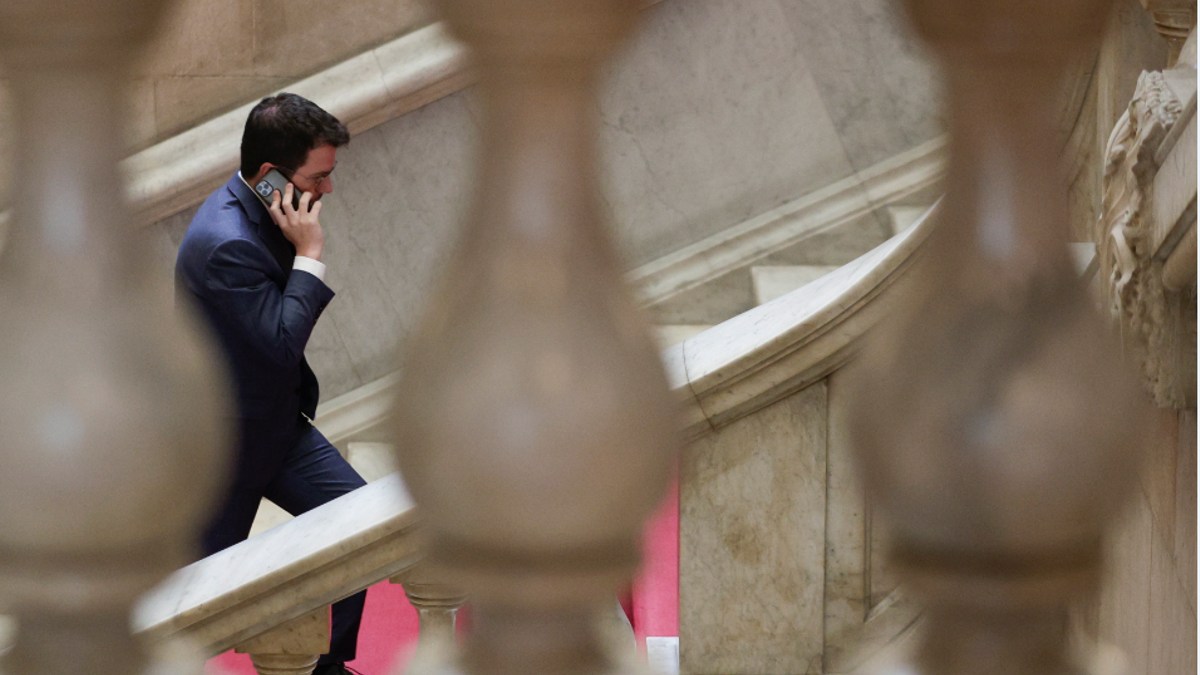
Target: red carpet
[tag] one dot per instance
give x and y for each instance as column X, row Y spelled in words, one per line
column 656, row 589
column 389, row 627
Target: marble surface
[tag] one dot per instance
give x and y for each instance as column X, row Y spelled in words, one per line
column 773, row 281
column 900, row 217
column 1124, row 611
column 1146, row 604
column 790, row 224
column 799, row 338
column 710, row 117
column 390, row 226
column 751, row 540
column 1185, row 505
column 1174, row 186
column 836, row 246
column 307, row 634
column 675, row 334
column 846, row 594
column 372, row 461
column 268, row 516
column 1172, row 631
column 862, row 615
column 209, row 56
column 235, row 50
column 357, row 415
column 879, row 88
column 713, row 301
column 317, row 558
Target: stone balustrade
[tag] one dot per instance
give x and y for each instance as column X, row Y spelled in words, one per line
column 996, row 427
column 112, row 409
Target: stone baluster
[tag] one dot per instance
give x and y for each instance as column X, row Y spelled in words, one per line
column 534, row 423
column 110, row 446
column 437, row 604
column 292, row 647
column 996, row 426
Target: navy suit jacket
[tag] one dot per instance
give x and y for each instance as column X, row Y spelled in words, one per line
column 236, row 265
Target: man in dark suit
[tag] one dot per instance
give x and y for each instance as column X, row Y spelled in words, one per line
column 253, row 267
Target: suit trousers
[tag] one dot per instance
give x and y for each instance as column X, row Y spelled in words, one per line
column 313, row 473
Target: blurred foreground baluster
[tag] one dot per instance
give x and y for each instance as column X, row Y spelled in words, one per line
column 109, row 434
column 535, row 425
column 998, row 431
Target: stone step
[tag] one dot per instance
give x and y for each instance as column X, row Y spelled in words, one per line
column 669, row 336
column 372, row 461
column 1084, row 256
column 772, row 281
column 901, row 217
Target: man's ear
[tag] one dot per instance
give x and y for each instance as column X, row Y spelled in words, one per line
column 262, row 171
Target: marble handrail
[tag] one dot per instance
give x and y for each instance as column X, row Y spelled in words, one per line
column 775, row 349
column 302, row 565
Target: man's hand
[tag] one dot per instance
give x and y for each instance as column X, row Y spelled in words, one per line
column 300, row 226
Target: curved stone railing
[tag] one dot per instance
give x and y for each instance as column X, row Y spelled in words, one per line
column 766, row 353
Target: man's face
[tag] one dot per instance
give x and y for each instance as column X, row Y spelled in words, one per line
column 314, row 175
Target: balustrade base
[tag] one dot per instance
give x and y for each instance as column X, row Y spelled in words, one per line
column 284, row 664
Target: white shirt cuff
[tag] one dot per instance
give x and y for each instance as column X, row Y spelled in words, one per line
column 311, row 265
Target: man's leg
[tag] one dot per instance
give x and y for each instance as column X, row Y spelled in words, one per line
column 315, row 473
column 232, row 523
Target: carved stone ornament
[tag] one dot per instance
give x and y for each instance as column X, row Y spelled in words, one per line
column 1150, row 317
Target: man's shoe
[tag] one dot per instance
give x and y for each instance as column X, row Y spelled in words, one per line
column 336, row 668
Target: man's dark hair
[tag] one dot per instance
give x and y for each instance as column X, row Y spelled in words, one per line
column 282, row 129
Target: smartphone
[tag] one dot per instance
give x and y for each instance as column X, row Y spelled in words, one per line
column 275, row 181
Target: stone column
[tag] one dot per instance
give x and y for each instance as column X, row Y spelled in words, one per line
column 534, row 424
column 111, row 446
column 997, row 428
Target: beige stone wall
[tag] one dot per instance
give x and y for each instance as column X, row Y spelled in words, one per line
column 213, row 55
column 1147, row 606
